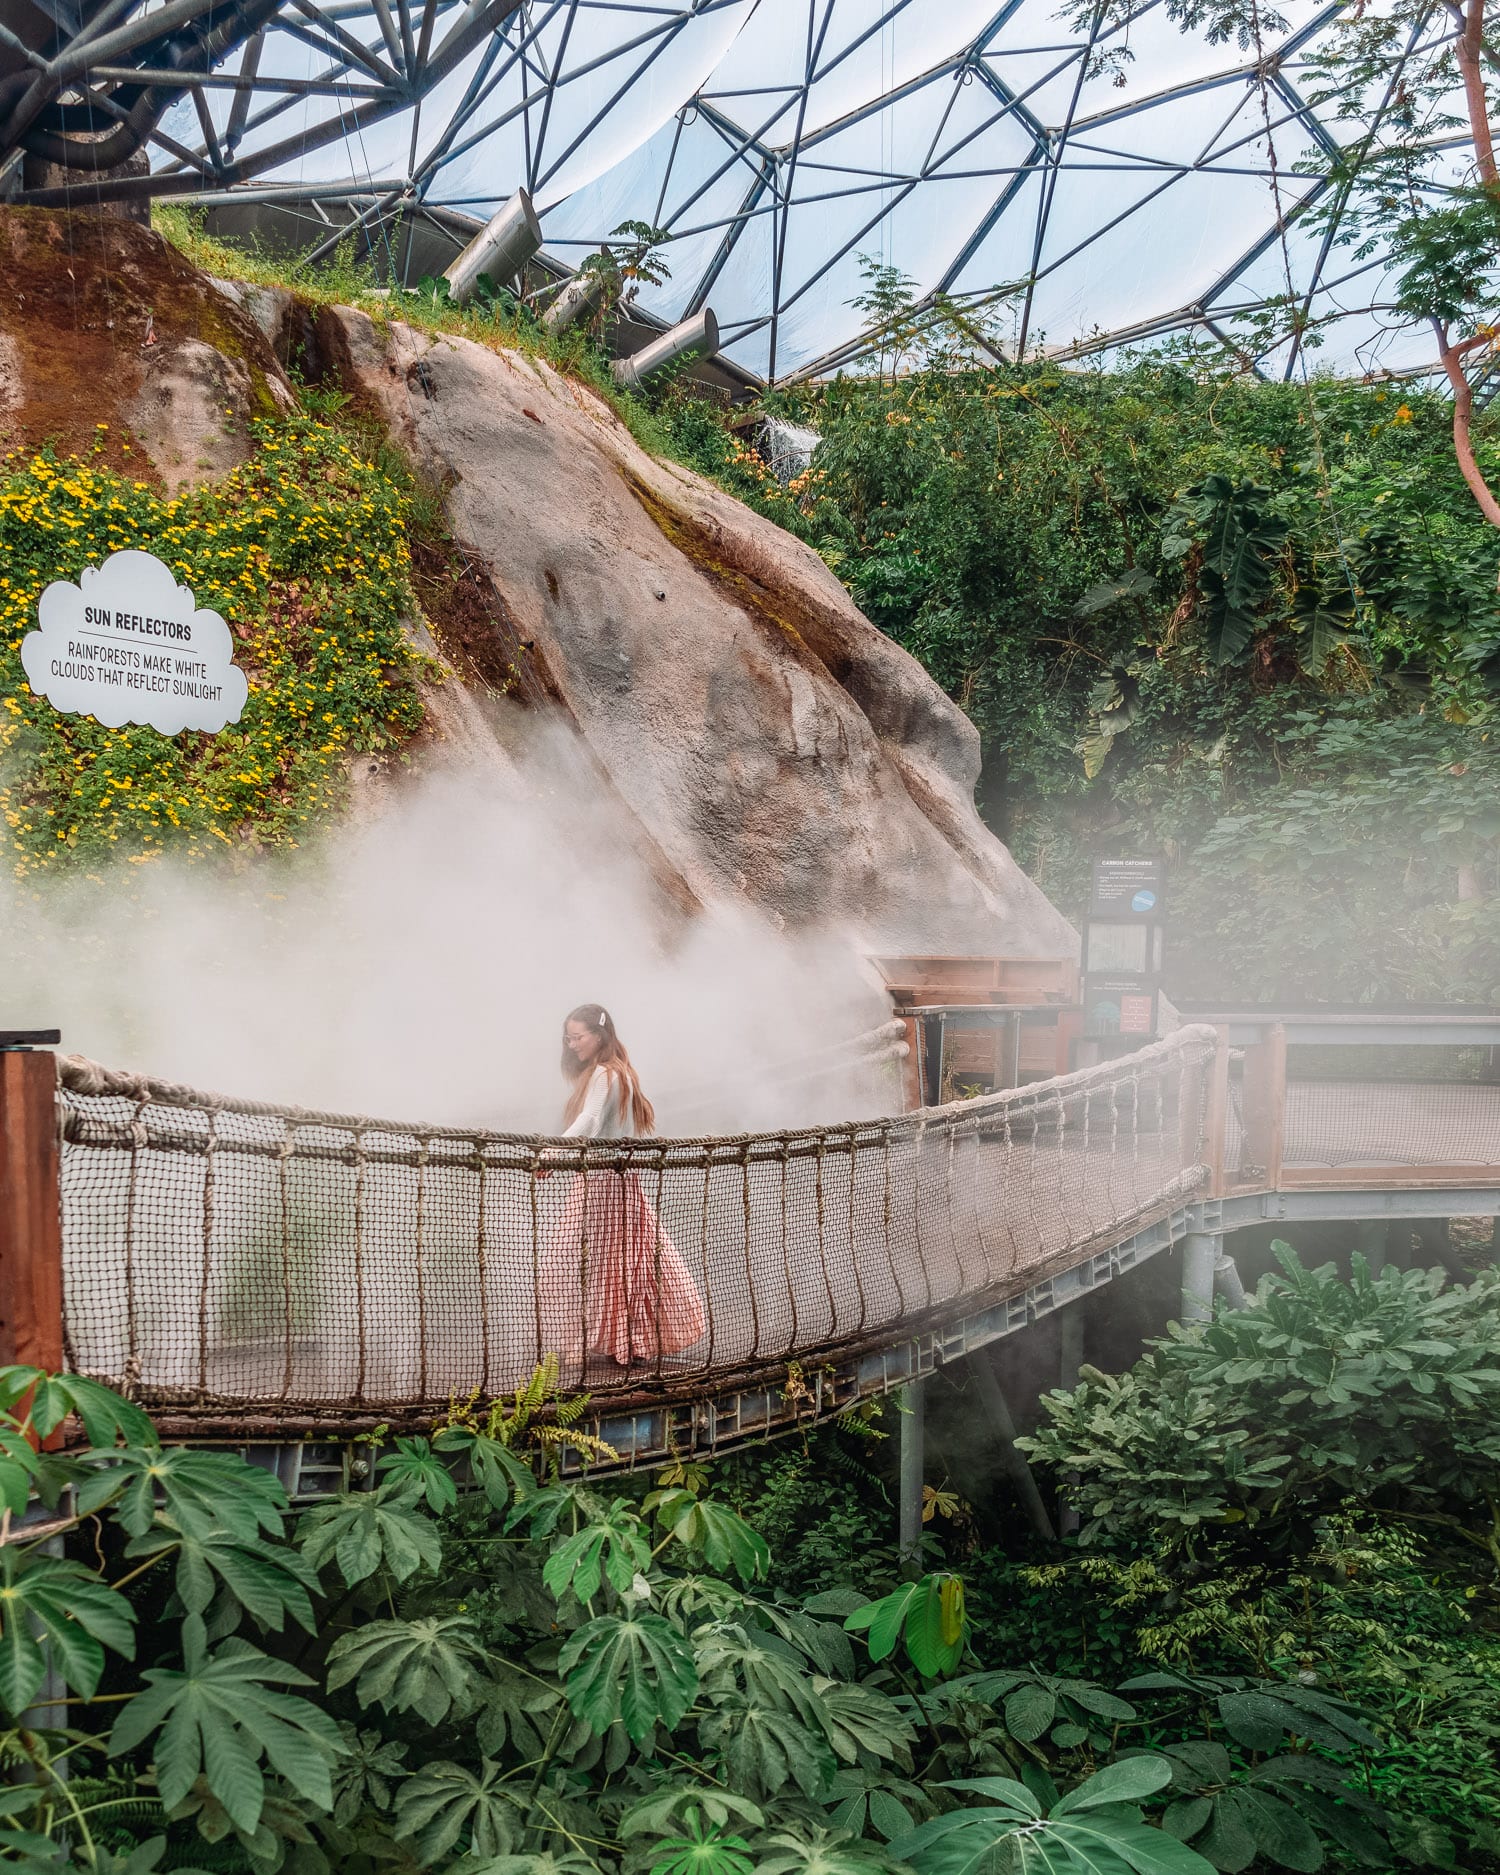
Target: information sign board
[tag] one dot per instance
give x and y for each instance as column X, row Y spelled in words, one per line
column 1119, row 1006
column 127, row 644
column 1128, row 888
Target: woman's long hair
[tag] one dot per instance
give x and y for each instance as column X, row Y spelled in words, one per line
column 613, row 1059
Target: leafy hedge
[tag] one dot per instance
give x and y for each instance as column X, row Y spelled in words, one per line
column 303, row 549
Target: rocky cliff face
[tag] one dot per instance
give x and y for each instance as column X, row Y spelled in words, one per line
column 769, row 744
column 775, row 745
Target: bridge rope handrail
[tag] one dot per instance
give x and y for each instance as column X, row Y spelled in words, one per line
column 223, row 1252
column 78, row 1074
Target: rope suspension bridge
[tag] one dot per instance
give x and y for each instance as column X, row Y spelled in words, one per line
column 254, row 1271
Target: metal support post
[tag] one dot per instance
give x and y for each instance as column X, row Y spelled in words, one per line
column 1071, row 1343
column 1370, row 1242
column 913, row 1429
column 501, row 248
column 1200, row 1253
column 1004, row 1427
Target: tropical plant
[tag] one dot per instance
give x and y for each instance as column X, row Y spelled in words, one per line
column 1376, row 1391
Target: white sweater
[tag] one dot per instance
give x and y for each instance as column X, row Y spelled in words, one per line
column 601, row 1115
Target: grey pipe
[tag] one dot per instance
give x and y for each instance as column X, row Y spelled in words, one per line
column 1227, row 1281
column 698, row 334
column 501, row 248
column 1003, row 1425
column 1200, row 1255
column 579, row 299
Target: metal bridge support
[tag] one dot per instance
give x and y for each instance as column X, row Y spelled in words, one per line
column 1004, row 1428
column 913, row 1442
column 1200, row 1256
column 1071, row 1344
column 581, row 298
column 1370, row 1241
column 1227, row 1280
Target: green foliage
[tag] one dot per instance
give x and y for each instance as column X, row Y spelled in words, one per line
column 1237, row 538
column 543, row 1683
column 222, row 1716
column 371, row 1531
column 725, row 1541
column 429, row 1666
column 926, row 1616
column 1096, row 1829
column 1382, row 1392
column 634, row 1669
column 50, row 1598
column 303, row 549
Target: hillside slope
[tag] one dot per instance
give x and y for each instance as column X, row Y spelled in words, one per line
column 771, row 746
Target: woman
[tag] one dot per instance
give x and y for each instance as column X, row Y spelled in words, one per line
column 613, row 1285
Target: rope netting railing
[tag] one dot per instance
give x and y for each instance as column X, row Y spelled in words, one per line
column 224, row 1254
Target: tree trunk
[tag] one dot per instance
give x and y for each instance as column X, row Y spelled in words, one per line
column 1463, row 412
column 1469, row 51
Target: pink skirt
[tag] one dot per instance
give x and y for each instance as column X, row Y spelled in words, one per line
column 612, row 1282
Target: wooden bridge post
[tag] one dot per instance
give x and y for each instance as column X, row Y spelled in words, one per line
column 30, row 1212
column 1264, row 1099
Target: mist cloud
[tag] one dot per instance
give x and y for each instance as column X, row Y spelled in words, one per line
column 418, row 964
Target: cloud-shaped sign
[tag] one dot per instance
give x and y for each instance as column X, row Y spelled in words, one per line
column 128, row 645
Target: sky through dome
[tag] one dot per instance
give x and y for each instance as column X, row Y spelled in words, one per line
column 1088, row 193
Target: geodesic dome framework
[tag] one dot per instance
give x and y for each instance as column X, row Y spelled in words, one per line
column 1089, row 188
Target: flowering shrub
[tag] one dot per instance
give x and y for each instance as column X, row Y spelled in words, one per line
column 303, row 550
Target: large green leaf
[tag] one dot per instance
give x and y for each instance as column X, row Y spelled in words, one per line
column 762, row 1748
column 665, row 1812
column 1029, row 1710
column 513, row 1705
column 220, row 1717
column 49, row 1399
column 862, row 1725
column 1125, row 1782
column 706, row 1849
column 368, row 1530
column 928, row 1615
column 610, row 1547
column 444, row 1801
column 268, row 1582
column 430, row 1666
column 50, row 1601
column 199, row 1492
column 725, row 1541
column 1095, row 1829
column 365, row 1777
column 771, row 1674
column 414, row 1468
column 812, row 1849
column 501, row 1476
column 635, row 1668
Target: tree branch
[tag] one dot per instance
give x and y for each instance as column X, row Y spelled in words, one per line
column 1463, row 414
